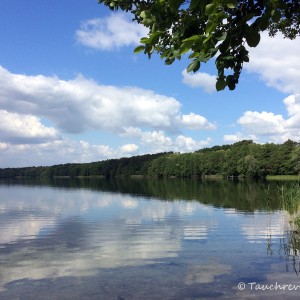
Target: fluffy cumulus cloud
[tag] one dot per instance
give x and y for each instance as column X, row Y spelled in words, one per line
column 59, row 152
column 292, row 104
column 233, row 138
column 196, row 122
column 81, row 105
column 263, row 123
column 110, row 33
column 158, row 141
column 200, row 80
column 189, row 145
column 269, row 127
column 78, row 105
column 17, row 128
column 276, row 61
column 53, row 152
column 157, row 138
column 129, row 148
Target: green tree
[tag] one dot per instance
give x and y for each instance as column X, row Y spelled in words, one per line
column 295, row 160
column 210, row 28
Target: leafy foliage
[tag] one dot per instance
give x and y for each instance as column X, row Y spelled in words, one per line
column 243, row 158
column 210, row 28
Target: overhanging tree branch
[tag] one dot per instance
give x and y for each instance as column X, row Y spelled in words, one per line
column 206, row 29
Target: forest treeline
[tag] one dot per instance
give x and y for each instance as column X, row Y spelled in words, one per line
column 244, row 158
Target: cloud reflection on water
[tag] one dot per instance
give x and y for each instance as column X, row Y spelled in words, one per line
column 55, row 233
column 79, row 232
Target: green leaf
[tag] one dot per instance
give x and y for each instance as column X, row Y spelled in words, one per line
column 147, row 17
column 246, row 58
column 208, row 43
column 253, row 38
column 194, row 4
column 193, row 66
column 204, row 56
column 151, row 50
column 190, row 42
column 222, row 37
column 230, row 81
column 276, row 16
column 139, row 49
column 192, row 38
column 220, row 84
column 248, row 17
column 143, row 14
column 169, row 61
column 194, row 54
column 184, row 49
column 153, row 39
column 264, row 23
column 210, row 26
column 209, row 9
column 144, row 40
column 231, row 5
column 174, row 5
column 228, row 57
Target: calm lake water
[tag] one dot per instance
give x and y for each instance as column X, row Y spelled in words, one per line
column 145, row 239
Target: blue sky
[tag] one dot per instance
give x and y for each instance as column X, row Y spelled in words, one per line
column 73, row 91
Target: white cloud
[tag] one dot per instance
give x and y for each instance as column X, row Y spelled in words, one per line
column 159, row 142
column 131, row 132
column 53, row 152
column 16, row 128
column 111, row 32
column 196, row 122
column 86, row 152
column 3, row 146
column 201, row 80
column 233, row 138
column 269, row 127
column 129, row 148
column 292, row 104
column 262, row 123
column 277, row 61
column 79, row 105
column 65, row 150
column 187, row 144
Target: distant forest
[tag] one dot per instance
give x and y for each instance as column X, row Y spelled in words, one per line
column 243, row 158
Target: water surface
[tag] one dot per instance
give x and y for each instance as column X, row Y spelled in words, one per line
column 143, row 239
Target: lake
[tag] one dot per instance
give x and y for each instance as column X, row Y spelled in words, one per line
column 145, row 239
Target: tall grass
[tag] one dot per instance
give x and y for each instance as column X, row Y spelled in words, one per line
column 289, row 196
column 290, row 202
column 283, row 177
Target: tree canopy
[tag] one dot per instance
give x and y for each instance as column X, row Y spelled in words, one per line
column 205, row 29
column 243, row 158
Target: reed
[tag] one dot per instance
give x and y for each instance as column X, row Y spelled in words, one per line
column 283, row 177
